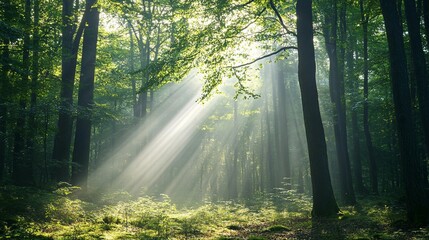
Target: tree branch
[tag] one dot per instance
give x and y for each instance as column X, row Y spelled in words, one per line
column 273, row 6
column 242, row 5
column 79, row 32
column 265, row 56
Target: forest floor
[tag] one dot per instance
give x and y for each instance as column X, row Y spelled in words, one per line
column 30, row 213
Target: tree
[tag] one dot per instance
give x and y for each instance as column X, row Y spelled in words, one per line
column 324, row 203
column 7, row 34
column 336, row 54
column 22, row 166
column 69, row 50
column 416, row 197
column 31, row 142
column 280, row 128
column 368, row 139
column 419, row 68
column 86, row 97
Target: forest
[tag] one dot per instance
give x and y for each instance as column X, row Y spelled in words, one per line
column 227, row 119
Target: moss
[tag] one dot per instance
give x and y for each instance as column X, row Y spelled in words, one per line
column 277, row 228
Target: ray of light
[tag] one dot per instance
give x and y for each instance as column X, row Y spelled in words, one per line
column 152, row 147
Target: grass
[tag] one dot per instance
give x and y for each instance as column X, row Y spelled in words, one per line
column 29, row 213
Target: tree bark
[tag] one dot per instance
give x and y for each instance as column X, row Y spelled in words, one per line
column 324, row 203
column 3, row 101
column 419, row 71
column 354, row 92
column 81, row 149
column 34, row 80
column 131, row 67
column 373, row 175
column 22, row 166
column 233, row 171
column 283, row 130
column 416, row 196
column 276, row 163
column 336, row 86
column 63, row 136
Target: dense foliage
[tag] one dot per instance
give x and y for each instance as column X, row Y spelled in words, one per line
column 59, row 214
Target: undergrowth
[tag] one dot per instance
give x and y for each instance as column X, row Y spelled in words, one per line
column 62, row 213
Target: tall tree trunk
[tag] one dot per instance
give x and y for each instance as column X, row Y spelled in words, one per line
column 63, row 136
column 341, row 106
column 142, row 96
column 354, row 92
column 372, row 162
column 266, row 146
column 34, row 80
column 22, row 167
column 324, row 203
column 277, row 163
column 233, row 184
column 283, row 153
column 131, row 67
column 420, row 71
column 81, row 149
column 336, row 86
column 416, row 196
column 3, row 101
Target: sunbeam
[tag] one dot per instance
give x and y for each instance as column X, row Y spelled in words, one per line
column 157, row 141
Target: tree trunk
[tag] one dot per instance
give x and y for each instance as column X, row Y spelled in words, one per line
column 34, row 79
column 419, row 70
column 131, row 67
column 354, row 92
column 324, row 203
column 372, row 162
column 85, row 98
column 340, row 100
column 22, row 166
column 3, row 101
column 63, row 136
column 283, row 152
column 336, row 86
column 416, row 197
column 233, row 184
column 277, row 163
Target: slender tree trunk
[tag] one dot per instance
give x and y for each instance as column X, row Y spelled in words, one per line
column 336, row 86
column 142, row 96
column 420, row 72
column 22, row 166
column 4, row 85
column 341, row 106
column 277, row 163
column 324, row 203
column 81, row 150
column 268, row 152
column 416, row 197
column 233, row 185
column 3, row 101
column 354, row 85
column 34, row 80
column 63, row 136
column 372, row 162
column 283, row 130
column 131, row 67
